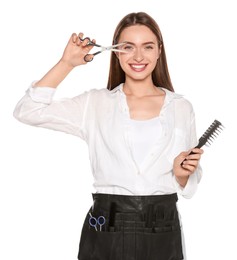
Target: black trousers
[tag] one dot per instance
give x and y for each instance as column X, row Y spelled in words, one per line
column 123, row 227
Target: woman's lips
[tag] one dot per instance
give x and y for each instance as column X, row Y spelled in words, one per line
column 138, row 67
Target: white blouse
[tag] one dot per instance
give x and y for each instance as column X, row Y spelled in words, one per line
column 144, row 135
column 101, row 118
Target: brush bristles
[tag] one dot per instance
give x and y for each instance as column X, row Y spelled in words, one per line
column 212, row 132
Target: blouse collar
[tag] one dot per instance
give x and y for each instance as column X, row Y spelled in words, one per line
column 169, row 94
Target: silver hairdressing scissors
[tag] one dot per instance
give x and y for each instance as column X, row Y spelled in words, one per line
column 114, row 48
column 96, row 221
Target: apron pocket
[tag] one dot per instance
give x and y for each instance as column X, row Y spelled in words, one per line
column 159, row 246
column 101, row 245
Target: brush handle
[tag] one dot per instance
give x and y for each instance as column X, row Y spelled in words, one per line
column 198, row 146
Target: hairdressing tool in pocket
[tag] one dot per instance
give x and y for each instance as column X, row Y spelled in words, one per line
column 96, row 221
column 149, row 215
column 209, row 135
column 89, row 57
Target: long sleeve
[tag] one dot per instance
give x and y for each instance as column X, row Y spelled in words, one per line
column 37, row 108
column 190, row 188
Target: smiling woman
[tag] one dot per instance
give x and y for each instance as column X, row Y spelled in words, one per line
column 138, row 65
column 131, row 30
column 136, row 167
column 142, row 56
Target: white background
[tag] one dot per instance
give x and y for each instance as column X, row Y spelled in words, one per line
column 46, row 182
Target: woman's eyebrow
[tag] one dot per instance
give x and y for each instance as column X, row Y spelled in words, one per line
column 132, row 43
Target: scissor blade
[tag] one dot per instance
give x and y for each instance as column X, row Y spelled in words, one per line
column 118, row 50
column 114, row 47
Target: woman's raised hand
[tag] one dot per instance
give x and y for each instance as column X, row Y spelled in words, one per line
column 76, row 50
column 73, row 56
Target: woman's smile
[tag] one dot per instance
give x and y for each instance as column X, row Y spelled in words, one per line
column 138, row 67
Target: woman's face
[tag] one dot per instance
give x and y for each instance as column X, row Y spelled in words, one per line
column 142, row 52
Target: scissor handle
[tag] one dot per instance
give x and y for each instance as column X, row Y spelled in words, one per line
column 87, row 59
column 96, row 221
column 90, row 42
column 101, row 220
column 93, row 221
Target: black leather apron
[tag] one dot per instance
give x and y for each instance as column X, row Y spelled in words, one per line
column 131, row 228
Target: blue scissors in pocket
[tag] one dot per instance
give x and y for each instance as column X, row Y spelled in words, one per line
column 89, row 57
column 96, row 221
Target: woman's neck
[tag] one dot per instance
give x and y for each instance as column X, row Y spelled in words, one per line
column 141, row 89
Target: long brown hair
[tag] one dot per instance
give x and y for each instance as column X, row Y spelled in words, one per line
column 160, row 74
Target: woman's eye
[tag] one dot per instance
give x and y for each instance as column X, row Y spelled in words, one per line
column 128, row 48
column 149, row 47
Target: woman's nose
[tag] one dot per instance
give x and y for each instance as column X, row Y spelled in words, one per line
column 138, row 56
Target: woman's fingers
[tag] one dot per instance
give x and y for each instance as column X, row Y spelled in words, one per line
column 197, row 151
column 195, row 155
column 74, row 37
column 185, row 163
column 191, row 160
column 76, row 50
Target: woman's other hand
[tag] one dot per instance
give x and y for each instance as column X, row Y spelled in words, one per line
column 182, row 171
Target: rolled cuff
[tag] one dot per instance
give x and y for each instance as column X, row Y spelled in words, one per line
column 41, row 94
column 190, row 188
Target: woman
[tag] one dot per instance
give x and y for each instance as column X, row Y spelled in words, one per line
column 138, row 131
